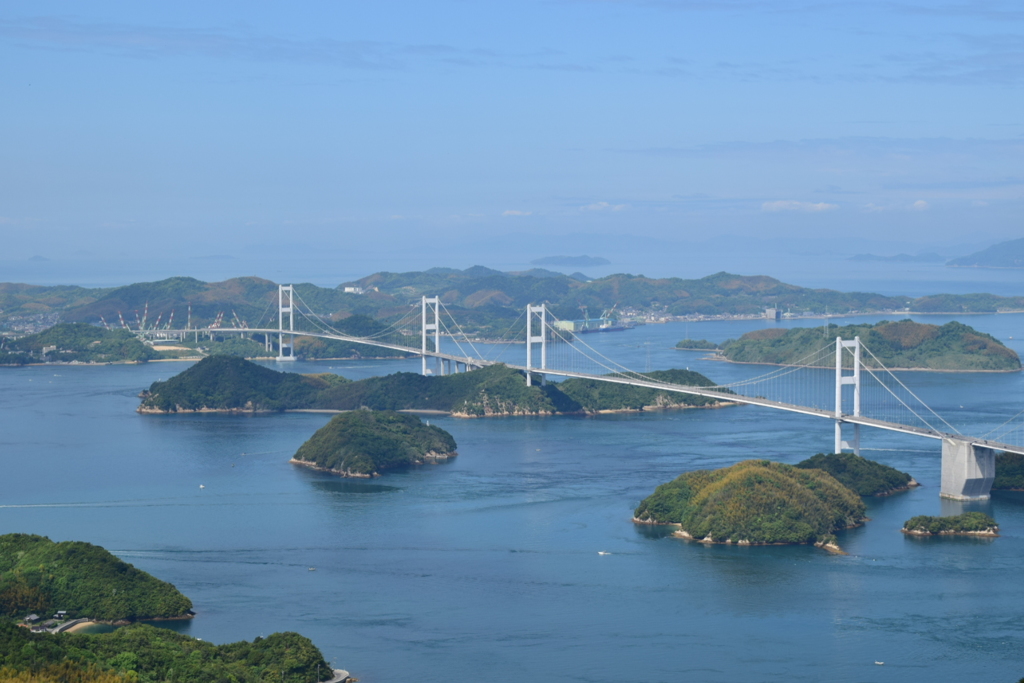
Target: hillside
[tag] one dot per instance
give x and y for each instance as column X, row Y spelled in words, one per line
column 363, row 443
column 232, row 384
column 76, row 342
column 862, row 476
column 225, row 383
column 1008, row 254
column 145, row 654
column 755, row 502
column 1009, row 472
column 904, row 344
column 38, row 575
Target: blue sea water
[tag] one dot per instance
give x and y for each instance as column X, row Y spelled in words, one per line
column 486, row 568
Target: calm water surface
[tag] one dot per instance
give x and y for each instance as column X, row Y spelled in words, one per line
column 487, row 568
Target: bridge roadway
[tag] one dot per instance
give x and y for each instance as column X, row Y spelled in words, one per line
column 632, row 381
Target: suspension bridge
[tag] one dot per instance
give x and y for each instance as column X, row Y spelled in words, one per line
column 843, row 381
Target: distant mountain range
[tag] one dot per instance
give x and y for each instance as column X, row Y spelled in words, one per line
column 1003, row 255
column 484, row 300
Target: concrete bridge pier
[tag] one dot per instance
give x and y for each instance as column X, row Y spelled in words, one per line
column 967, row 470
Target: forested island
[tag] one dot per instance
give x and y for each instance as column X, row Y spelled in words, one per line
column 696, row 345
column 862, row 476
column 966, row 524
column 755, row 502
column 38, row 575
column 231, row 384
column 898, row 345
column 363, row 443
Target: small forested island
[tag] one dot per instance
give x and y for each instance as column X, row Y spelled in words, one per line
column 1009, row 472
column 967, row 524
column 363, row 443
column 231, row 384
column 696, row 345
column 904, row 345
column 38, row 575
column 76, row 342
column 755, row 502
column 862, row 476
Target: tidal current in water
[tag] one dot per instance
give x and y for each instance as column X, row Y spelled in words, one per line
column 486, row 568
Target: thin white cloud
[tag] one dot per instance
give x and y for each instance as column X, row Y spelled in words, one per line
column 793, row 205
column 919, row 205
column 603, row 206
column 514, row 212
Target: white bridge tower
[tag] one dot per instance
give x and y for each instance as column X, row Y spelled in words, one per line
column 285, row 306
column 433, row 305
column 841, row 381
column 540, row 314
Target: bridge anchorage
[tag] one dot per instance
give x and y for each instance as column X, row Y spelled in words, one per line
column 843, row 381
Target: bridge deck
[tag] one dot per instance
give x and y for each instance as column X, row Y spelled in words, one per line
column 650, row 384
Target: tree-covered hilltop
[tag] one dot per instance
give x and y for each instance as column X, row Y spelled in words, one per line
column 863, row 476
column 38, row 575
column 145, row 654
column 1009, row 472
column 75, row 342
column 903, row 344
column 234, row 384
column 493, row 390
column 756, row 502
column 972, row 523
column 231, row 383
column 363, row 443
column 598, row 396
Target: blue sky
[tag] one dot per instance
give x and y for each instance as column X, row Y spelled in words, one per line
column 457, row 131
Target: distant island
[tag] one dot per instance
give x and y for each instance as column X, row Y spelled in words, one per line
column 899, row 345
column 929, row 257
column 696, row 345
column 1009, row 254
column 966, row 524
column 38, row 575
column 363, row 443
column 231, row 384
column 862, row 476
column 755, row 502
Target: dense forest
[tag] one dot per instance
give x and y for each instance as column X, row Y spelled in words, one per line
column 1009, row 472
column 144, row 654
column 38, row 575
column 757, row 502
column 903, row 344
column 864, row 477
column 966, row 523
column 233, row 384
column 367, row 442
